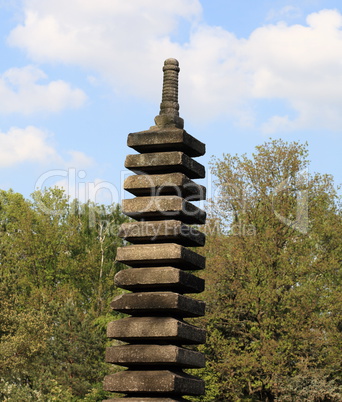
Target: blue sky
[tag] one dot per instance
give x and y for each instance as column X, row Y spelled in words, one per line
column 76, row 76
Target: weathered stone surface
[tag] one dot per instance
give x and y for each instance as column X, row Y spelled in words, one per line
column 161, row 381
column 169, row 139
column 161, row 232
column 169, row 107
column 155, row 329
column 165, row 162
column 142, row 399
column 157, row 303
column 164, row 254
column 163, row 207
column 161, row 278
column 165, row 184
column 154, row 355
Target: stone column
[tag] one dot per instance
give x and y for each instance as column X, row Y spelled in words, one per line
column 155, row 335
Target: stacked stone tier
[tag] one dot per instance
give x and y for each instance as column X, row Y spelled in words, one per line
column 155, row 333
column 163, row 140
column 159, row 279
column 161, row 254
column 163, row 207
column 165, row 382
column 172, row 231
column 145, row 355
column 158, row 303
column 165, row 330
column 165, row 162
column 165, row 184
column 142, row 399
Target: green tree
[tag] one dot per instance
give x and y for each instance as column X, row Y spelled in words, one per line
column 273, row 280
column 57, row 263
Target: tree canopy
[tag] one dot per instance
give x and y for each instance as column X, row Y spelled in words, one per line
column 273, row 280
column 273, row 286
column 57, row 267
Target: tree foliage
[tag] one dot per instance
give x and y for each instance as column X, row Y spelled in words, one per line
column 57, row 266
column 273, row 280
column 273, row 287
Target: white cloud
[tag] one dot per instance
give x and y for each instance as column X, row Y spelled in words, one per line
column 79, row 159
column 114, row 37
column 21, row 145
column 287, row 12
column 98, row 191
column 20, row 92
column 31, row 144
column 277, row 123
column 301, row 65
column 222, row 75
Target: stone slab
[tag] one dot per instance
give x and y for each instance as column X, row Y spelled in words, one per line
column 161, row 278
column 154, row 355
column 165, row 140
column 142, row 399
column 163, row 254
column 165, row 162
column 161, row 232
column 158, row 382
column 163, row 207
column 155, row 329
column 158, row 303
column 165, row 184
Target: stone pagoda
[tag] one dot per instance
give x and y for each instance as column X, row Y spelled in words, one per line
column 154, row 337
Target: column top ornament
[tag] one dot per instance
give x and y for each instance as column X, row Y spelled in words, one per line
column 169, row 107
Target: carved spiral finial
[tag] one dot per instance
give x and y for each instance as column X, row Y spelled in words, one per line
column 169, row 107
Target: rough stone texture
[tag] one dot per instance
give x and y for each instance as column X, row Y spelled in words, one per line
column 162, row 232
column 169, row 107
column 161, row 278
column 169, row 254
column 163, row 381
column 142, row 399
column 165, row 162
column 157, row 303
column 154, row 355
column 163, row 207
column 155, row 329
column 164, row 140
column 165, row 184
